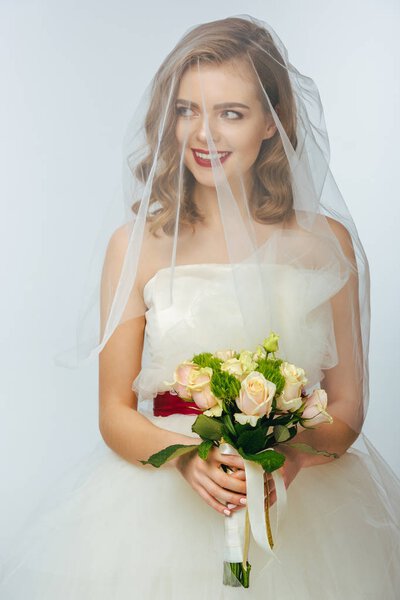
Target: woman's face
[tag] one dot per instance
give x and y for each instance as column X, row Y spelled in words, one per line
column 225, row 97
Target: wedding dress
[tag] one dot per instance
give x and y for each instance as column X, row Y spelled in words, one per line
column 115, row 531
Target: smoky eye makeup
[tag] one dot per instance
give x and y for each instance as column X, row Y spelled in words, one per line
column 237, row 115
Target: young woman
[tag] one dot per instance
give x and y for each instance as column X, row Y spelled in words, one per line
column 236, row 229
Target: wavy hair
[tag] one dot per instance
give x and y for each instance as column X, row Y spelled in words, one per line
column 219, row 42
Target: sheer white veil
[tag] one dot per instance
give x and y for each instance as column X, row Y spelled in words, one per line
column 278, row 221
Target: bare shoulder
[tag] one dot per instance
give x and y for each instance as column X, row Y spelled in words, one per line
column 343, row 236
column 118, row 242
column 114, row 257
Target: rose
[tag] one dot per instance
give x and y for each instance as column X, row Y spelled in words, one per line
column 259, row 353
column 233, row 366
column 244, row 419
column 315, row 409
column 256, row 395
column 224, row 354
column 183, row 375
column 271, row 342
column 200, row 388
column 290, row 399
column 240, row 367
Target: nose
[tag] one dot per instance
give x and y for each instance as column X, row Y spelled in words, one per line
column 201, row 131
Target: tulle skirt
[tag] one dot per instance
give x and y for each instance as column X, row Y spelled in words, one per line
column 111, row 530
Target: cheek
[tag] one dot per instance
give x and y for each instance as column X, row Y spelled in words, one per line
column 179, row 135
column 254, row 141
column 183, row 132
column 247, row 142
column 248, row 152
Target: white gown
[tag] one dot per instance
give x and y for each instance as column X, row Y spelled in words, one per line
column 114, row 531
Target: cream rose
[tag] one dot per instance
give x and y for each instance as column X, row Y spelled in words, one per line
column 259, row 353
column 290, row 399
column 315, row 410
column 256, row 395
column 234, row 367
column 214, row 411
column 244, row 419
column 240, row 367
column 282, row 403
column 224, row 354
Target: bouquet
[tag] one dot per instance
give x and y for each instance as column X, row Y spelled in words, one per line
column 250, row 402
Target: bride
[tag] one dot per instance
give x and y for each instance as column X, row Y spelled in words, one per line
column 235, row 228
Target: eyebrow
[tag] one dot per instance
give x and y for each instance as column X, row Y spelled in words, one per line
column 221, row 105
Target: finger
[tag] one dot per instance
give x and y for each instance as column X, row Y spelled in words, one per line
column 235, row 507
column 224, row 494
column 229, row 482
column 213, row 502
column 239, row 474
column 231, row 460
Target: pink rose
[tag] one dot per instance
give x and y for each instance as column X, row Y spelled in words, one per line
column 182, row 378
column 200, row 388
column 315, row 409
column 256, row 395
column 290, row 399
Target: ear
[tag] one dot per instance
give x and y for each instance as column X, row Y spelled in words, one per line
column 270, row 127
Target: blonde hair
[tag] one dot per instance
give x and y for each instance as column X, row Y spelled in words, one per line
column 220, row 42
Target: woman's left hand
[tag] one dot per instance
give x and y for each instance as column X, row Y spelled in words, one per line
column 289, row 470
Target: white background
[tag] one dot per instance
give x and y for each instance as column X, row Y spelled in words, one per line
column 71, row 74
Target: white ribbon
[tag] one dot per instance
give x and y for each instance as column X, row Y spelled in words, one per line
column 235, row 524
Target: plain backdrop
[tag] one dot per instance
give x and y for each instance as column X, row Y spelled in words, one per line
column 71, row 74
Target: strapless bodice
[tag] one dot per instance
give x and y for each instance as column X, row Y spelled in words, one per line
column 205, row 315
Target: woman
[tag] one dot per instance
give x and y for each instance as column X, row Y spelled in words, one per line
column 232, row 234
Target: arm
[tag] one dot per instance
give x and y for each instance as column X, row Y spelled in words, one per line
column 344, row 382
column 126, row 431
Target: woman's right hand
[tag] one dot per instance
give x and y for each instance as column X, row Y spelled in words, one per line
column 211, row 482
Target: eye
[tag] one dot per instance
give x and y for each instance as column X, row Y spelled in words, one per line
column 232, row 115
column 184, row 111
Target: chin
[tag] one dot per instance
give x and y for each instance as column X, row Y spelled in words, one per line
column 205, row 182
column 207, row 179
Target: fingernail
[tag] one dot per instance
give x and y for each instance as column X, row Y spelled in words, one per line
column 231, row 505
column 227, row 512
column 243, row 501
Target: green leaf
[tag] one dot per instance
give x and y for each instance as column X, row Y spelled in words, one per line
column 252, row 440
column 310, row 450
column 281, row 433
column 208, row 428
column 282, row 419
column 270, row 460
column 159, row 458
column 204, row 448
column 227, row 438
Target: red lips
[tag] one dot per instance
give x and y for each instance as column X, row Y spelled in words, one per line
column 206, row 162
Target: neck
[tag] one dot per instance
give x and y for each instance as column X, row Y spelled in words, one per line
column 206, row 199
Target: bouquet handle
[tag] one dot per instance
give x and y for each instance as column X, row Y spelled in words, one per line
column 253, row 517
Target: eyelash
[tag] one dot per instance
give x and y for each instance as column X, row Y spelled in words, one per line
column 180, row 112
